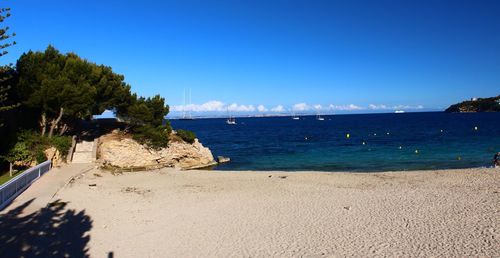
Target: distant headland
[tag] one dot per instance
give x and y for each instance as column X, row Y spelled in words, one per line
column 476, row 105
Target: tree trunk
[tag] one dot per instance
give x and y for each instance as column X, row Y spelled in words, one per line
column 10, row 169
column 43, row 124
column 63, row 129
column 55, row 122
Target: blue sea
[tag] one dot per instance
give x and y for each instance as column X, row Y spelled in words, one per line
column 376, row 142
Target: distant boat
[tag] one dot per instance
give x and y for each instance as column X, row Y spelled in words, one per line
column 231, row 121
column 399, row 111
column 188, row 116
column 294, row 117
column 319, row 118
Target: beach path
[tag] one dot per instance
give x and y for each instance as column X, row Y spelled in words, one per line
column 41, row 192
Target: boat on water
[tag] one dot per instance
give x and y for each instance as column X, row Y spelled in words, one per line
column 294, row 117
column 186, row 115
column 319, row 117
column 399, row 111
column 231, row 121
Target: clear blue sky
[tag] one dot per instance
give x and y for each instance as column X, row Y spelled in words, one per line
column 333, row 53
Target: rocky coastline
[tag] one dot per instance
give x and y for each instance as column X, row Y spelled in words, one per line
column 118, row 150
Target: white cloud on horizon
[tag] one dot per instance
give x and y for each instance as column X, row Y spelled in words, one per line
column 219, row 106
column 209, row 106
column 349, row 107
column 261, row 108
column 396, row 107
column 216, row 106
column 278, row 109
column 240, row 108
column 301, row 107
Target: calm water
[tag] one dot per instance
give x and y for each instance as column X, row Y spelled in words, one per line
column 279, row 143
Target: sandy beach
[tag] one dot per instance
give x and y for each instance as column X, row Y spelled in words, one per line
column 171, row 213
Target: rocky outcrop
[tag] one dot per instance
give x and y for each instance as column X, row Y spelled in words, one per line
column 122, row 151
column 55, row 156
column 222, row 159
column 476, row 105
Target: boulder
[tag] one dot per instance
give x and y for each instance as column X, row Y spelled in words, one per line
column 122, row 151
column 222, row 159
column 54, row 155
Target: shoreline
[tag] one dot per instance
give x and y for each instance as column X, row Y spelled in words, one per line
column 348, row 172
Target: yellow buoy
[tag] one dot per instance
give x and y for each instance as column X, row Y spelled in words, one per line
column 347, row 135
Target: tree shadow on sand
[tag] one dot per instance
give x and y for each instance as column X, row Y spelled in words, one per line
column 53, row 231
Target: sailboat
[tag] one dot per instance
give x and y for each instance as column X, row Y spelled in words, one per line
column 294, row 117
column 188, row 116
column 319, row 118
column 230, row 120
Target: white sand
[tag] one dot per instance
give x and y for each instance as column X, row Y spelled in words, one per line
column 220, row 214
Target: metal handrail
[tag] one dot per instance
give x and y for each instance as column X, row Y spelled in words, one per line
column 14, row 187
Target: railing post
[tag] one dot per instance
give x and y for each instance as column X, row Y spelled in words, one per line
column 39, row 170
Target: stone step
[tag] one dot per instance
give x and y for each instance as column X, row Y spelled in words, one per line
column 84, row 146
column 82, row 157
column 83, row 152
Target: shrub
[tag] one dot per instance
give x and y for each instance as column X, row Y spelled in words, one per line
column 153, row 137
column 187, row 136
column 20, row 152
column 31, row 145
column 40, row 156
column 61, row 143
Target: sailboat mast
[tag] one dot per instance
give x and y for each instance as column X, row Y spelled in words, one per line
column 189, row 114
column 184, row 105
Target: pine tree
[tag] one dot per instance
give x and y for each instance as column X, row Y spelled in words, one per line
column 5, row 42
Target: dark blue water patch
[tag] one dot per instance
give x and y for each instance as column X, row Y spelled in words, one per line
column 410, row 141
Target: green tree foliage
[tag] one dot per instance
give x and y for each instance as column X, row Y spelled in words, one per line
column 155, row 137
column 150, row 111
column 480, row 105
column 5, row 33
column 5, row 73
column 111, row 90
column 65, row 88
column 57, row 85
column 30, row 147
column 146, row 115
column 59, row 90
column 20, row 153
column 187, row 136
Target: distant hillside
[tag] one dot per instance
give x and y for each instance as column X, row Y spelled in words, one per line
column 477, row 105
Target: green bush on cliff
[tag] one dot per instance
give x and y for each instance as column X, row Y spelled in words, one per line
column 31, row 145
column 61, row 143
column 153, row 137
column 20, row 153
column 479, row 105
column 186, row 135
